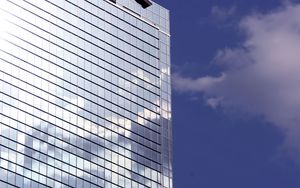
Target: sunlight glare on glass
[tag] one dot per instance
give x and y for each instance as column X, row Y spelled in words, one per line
column 3, row 23
column 6, row 26
column 3, row 17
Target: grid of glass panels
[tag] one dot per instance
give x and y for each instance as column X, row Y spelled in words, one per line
column 84, row 94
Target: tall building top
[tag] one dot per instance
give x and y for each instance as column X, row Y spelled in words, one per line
column 149, row 11
column 144, row 3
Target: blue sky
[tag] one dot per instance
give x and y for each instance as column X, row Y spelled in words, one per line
column 236, row 101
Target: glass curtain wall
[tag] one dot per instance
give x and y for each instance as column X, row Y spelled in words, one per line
column 85, row 97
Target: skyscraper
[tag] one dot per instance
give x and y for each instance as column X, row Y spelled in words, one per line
column 85, row 98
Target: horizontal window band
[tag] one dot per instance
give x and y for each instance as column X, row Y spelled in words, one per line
column 93, row 82
column 60, row 160
column 80, row 38
column 8, row 170
column 94, row 26
column 129, row 139
column 89, row 140
column 77, row 55
column 33, row 170
column 8, row 183
column 73, row 92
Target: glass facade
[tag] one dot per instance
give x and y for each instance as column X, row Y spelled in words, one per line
column 85, row 97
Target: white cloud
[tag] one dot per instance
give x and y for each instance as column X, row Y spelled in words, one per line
column 195, row 85
column 262, row 76
column 222, row 13
column 213, row 102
